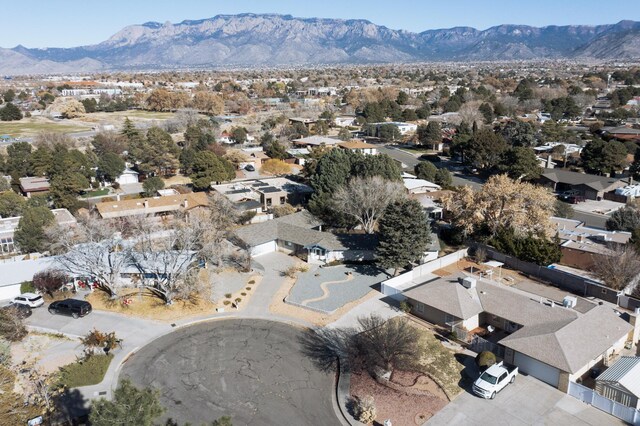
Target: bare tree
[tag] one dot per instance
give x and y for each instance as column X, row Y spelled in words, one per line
column 12, row 327
column 619, row 268
column 96, row 250
column 387, row 344
column 366, row 198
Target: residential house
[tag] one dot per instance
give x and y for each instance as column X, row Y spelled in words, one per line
column 622, row 133
column 34, row 185
column 591, row 187
column 621, row 382
column 157, row 206
column 313, row 141
column 300, row 234
column 9, row 225
column 359, row 146
column 345, row 120
column 128, row 176
column 553, row 343
column 419, row 186
column 309, row 123
column 263, row 194
column 14, row 273
column 580, row 244
column 403, row 128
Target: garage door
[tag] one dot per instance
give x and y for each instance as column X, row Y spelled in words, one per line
column 537, row 369
column 269, row 247
column 9, row 291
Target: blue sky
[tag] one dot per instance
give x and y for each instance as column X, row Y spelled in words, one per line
column 65, row 23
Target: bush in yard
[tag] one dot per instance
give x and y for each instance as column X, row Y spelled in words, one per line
column 485, row 359
column 12, row 327
column 129, row 406
column 405, row 306
column 97, row 341
column 365, row 409
column 50, row 281
column 27, row 287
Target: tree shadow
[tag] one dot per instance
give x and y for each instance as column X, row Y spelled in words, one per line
column 469, row 373
column 71, row 409
column 324, row 346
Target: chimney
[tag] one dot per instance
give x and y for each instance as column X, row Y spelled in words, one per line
column 549, row 162
column 146, row 204
column 186, row 203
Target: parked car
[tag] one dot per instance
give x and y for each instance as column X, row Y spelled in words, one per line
column 73, row 307
column 568, row 194
column 23, row 311
column 250, row 168
column 494, row 379
column 32, row 300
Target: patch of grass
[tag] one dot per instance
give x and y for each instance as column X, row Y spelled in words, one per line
column 97, row 193
column 23, row 128
column 86, row 372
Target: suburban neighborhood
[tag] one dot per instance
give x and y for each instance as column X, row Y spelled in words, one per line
column 449, row 241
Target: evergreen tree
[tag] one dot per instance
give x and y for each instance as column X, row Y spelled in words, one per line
column 152, row 185
column 111, row 166
column 208, row 168
column 430, row 135
column 29, row 235
column 10, row 112
column 426, row 170
column 485, row 149
column 129, row 406
column 11, row 204
column 444, row 178
column 520, row 163
column 404, row 235
column 18, row 155
column 277, row 151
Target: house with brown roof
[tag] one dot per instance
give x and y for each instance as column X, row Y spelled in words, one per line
column 591, row 187
column 554, row 343
column 359, row 146
column 152, row 205
column 34, row 185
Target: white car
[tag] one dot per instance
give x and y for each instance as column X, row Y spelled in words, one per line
column 32, row 300
column 494, row 379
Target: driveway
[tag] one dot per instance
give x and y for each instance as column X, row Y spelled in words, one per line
column 251, row 370
column 526, row 402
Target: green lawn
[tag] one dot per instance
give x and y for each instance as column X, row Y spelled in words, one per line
column 89, row 371
column 96, row 193
column 27, row 128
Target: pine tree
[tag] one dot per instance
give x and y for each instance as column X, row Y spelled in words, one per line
column 404, row 234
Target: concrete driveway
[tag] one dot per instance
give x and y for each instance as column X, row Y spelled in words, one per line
column 251, row 370
column 525, row 402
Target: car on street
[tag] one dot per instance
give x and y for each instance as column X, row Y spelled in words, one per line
column 494, row 379
column 72, row 307
column 32, row 300
column 22, row 311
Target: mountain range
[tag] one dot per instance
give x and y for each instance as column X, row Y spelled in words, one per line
column 250, row 40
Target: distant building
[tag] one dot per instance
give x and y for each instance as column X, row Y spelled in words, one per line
column 152, row 206
column 359, row 146
column 403, row 128
column 34, row 185
column 9, row 225
column 312, row 141
column 128, row 176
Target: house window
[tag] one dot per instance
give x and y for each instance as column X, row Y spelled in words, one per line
column 288, row 243
column 283, row 200
column 269, row 202
column 448, row 319
column 604, row 291
column 420, row 307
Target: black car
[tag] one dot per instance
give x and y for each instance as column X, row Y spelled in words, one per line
column 75, row 308
column 23, row 311
column 250, row 168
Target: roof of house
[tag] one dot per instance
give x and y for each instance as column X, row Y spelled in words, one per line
column 23, row 270
column 626, row 372
column 560, row 337
column 447, row 296
column 411, row 184
column 597, row 183
column 30, row 184
column 296, row 228
column 574, row 234
column 356, row 144
column 570, row 346
column 316, row 140
column 154, row 204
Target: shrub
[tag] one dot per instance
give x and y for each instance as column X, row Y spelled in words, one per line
column 246, row 217
column 252, row 282
column 247, row 288
column 226, row 302
column 5, row 353
column 405, row 306
column 485, row 359
column 243, row 294
column 238, row 299
column 365, row 409
column 228, row 295
column 50, row 281
column 12, row 327
column 97, row 340
column 27, row 287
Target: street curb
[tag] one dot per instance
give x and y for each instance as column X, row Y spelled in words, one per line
column 342, row 394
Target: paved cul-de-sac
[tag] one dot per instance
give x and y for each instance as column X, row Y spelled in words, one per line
column 251, row 370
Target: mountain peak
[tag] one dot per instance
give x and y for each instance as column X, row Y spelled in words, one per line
column 251, row 39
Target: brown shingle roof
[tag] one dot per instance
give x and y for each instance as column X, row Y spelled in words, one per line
column 152, row 205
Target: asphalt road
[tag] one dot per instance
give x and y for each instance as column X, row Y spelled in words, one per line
column 410, row 160
column 251, row 370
